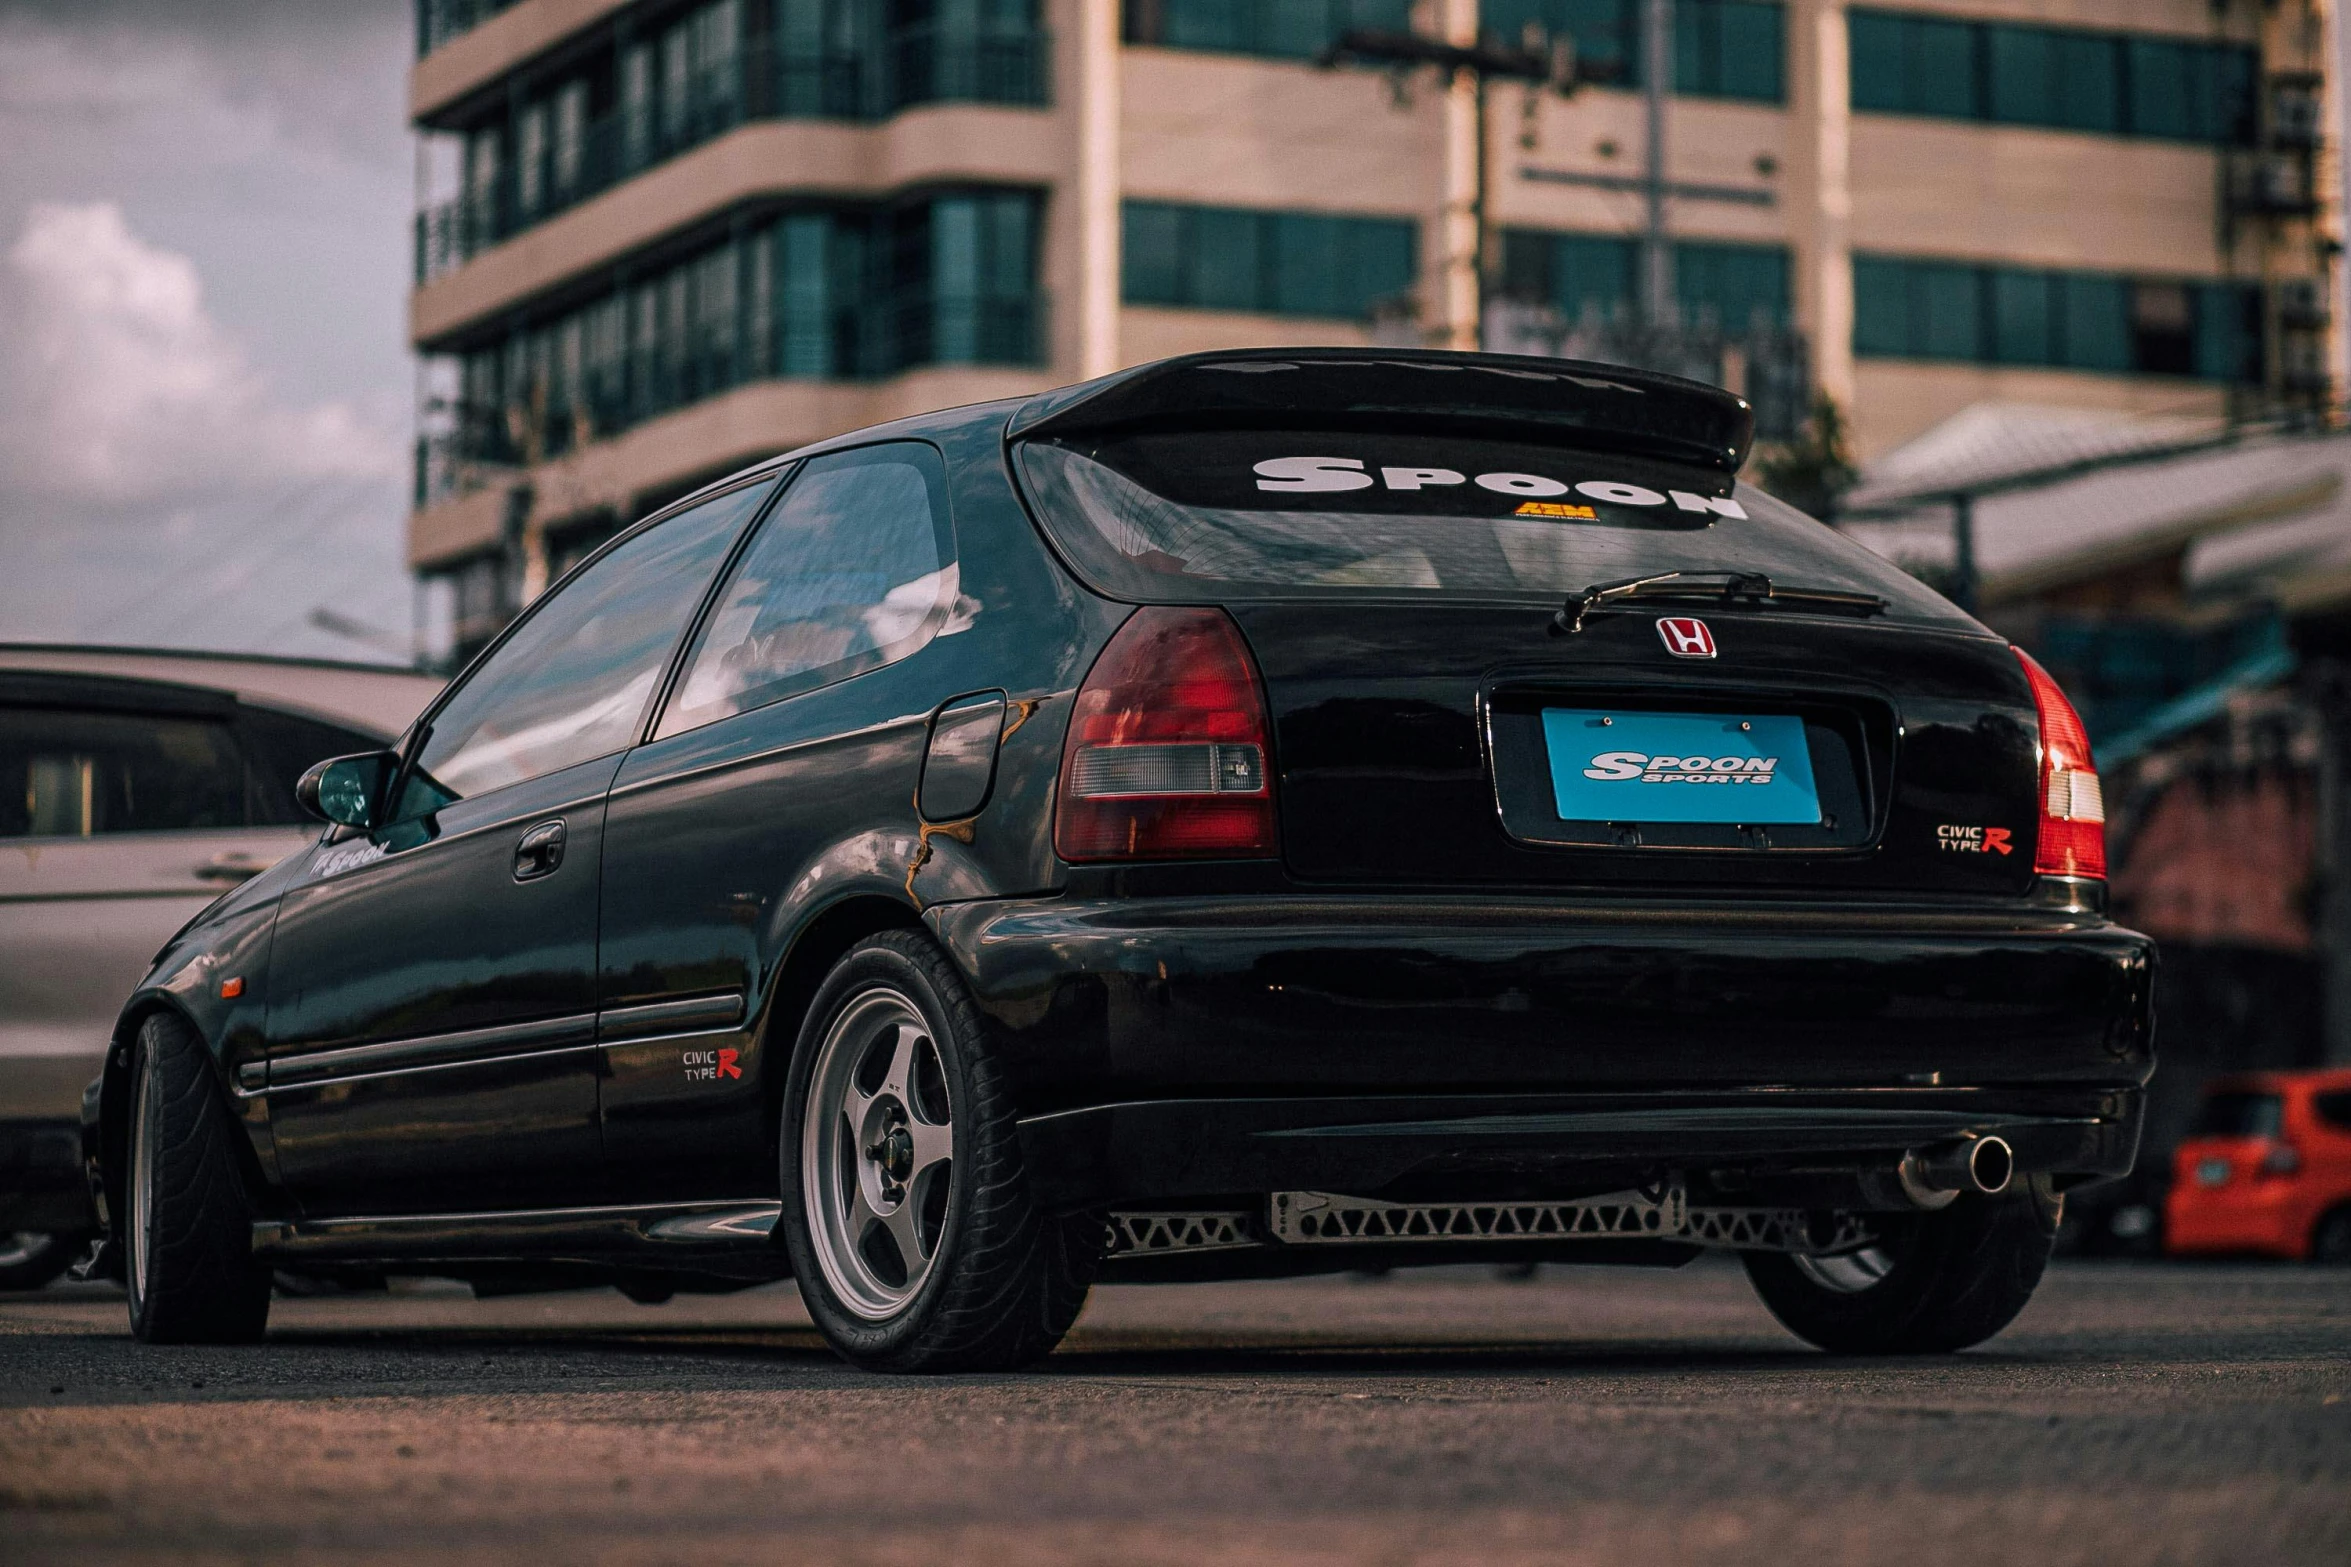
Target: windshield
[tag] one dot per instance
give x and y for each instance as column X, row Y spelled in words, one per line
column 1209, row 516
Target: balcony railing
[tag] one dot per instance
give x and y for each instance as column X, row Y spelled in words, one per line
column 865, row 342
column 917, row 65
column 438, row 21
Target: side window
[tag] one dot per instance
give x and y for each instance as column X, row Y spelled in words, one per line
column 572, row 682
column 854, row 570
column 2334, row 1109
column 76, row 774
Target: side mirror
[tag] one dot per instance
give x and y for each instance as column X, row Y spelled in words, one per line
column 346, row 790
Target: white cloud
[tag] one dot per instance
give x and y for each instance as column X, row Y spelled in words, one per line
column 118, row 387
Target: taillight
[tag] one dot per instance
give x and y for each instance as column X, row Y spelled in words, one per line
column 2073, row 807
column 1166, row 755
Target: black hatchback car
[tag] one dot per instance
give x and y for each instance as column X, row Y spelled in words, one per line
column 1258, row 813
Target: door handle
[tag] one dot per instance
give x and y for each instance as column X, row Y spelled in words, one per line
column 539, row 852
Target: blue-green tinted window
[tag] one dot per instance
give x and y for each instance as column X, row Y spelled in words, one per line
column 841, row 293
column 1735, row 286
column 1881, row 307
column 2063, row 78
column 1721, row 48
column 2041, row 76
column 1578, row 274
column 1583, row 275
column 1946, row 312
column 1913, row 309
column 1272, row 263
column 981, row 279
column 2097, row 324
column 438, row 21
column 1873, row 48
column 2228, row 333
column 1286, row 29
column 1730, row 49
column 2024, row 324
column 1913, row 64
column 1150, row 237
column 1607, row 33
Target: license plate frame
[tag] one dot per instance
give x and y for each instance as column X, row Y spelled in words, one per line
column 1630, row 765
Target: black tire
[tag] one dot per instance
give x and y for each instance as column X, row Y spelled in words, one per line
column 1003, row 1280
column 188, row 1200
column 2330, row 1240
column 31, row 1259
column 1947, row 1280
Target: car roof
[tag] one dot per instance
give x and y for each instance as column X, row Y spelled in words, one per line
column 375, row 697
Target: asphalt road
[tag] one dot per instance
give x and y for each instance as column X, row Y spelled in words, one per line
column 2136, row 1413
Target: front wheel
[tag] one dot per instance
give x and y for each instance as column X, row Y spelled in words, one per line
column 908, row 1221
column 1929, row 1284
column 189, row 1231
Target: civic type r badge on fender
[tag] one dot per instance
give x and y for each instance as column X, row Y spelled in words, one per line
column 1686, row 636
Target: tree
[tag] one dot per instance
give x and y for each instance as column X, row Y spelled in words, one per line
column 1814, row 470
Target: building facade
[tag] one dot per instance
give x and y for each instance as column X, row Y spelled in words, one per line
column 659, row 238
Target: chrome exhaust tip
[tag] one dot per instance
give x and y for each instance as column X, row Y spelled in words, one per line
column 1933, row 1176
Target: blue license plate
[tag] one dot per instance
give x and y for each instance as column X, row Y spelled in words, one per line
column 1610, row 766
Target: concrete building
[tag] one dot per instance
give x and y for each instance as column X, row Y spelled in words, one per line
column 659, row 238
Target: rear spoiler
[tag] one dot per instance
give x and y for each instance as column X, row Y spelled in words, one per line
column 1417, row 390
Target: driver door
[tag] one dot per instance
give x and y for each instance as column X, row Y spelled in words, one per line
column 433, row 981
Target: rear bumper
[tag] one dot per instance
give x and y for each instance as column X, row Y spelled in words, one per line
column 1167, row 1046
column 1168, row 1149
column 41, row 1181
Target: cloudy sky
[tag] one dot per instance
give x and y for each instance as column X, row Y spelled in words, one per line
column 204, row 395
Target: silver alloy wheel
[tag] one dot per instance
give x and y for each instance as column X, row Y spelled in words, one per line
column 19, row 1247
column 141, row 1176
column 1848, row 1272
column 877, row 1153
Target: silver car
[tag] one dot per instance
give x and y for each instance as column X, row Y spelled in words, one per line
column 135, row 787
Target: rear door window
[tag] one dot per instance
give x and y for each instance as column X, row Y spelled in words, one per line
column 853, row 570
column 1211, row 516
column 68, row 774
column 2239, row 1115
column 2334, row 1109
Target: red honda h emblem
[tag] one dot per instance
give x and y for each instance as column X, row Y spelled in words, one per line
column 1686, row 636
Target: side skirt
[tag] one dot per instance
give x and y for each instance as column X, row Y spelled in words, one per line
column 727, row 1239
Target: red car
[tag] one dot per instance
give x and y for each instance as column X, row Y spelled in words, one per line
column 2266, row 1169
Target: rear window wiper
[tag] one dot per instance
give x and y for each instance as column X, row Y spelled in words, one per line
column 1726, row 587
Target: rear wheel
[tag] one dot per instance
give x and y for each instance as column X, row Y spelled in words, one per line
column 1931, row 1283
column 189, row 1229
column 908, row 1221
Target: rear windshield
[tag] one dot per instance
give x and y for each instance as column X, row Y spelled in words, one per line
column 1208, row 516
column 2239, row 1115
